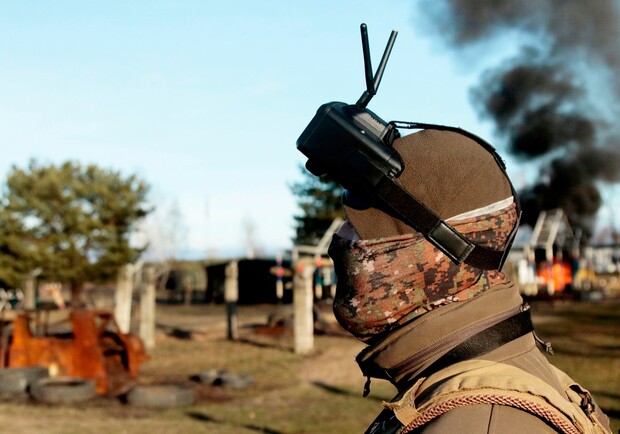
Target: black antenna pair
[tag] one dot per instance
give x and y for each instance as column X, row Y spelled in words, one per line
column 373, row 81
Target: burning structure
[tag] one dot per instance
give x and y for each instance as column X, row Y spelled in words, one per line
column 555, row 104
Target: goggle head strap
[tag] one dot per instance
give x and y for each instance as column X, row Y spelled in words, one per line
column 437, row 231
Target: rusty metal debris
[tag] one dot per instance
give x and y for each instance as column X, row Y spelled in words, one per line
column 92, row 347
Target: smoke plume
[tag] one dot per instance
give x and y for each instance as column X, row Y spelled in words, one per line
column 546, row 101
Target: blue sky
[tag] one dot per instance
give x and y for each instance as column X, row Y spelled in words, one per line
column 204, row 100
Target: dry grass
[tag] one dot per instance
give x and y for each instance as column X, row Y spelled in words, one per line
column 319, row 393
column 586, row 343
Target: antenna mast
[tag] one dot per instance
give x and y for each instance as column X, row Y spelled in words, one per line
column 373, row 81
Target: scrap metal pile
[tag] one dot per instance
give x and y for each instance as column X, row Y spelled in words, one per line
column 90, row 346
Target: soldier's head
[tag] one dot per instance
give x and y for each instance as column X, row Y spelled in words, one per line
column 388, row 273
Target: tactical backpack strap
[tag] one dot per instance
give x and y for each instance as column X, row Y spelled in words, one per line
column 483, row 382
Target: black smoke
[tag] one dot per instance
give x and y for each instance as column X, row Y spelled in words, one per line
column 541, row 101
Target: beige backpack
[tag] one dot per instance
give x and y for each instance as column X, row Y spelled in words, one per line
column 483, row 382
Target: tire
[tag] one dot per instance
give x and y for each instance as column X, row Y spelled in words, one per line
column 161, row 396
column 62, row 390
column 230, row 380
column 17, row 380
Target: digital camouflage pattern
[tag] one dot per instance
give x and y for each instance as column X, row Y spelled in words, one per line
column 387, row 282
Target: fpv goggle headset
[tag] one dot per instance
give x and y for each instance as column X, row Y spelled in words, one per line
column 353, row 146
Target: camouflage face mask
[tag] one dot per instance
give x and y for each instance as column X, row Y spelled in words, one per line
column 387, row 282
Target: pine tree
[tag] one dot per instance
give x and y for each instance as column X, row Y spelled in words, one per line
column 320, row 201
column 72, row 222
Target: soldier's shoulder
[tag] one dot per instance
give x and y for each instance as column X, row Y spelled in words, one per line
column 471, row 419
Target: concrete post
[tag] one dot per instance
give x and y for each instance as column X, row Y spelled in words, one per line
column 124, row 291
column 30, row 292
column 147, row 309
column 231, row 296
column 302, row 304
column 279, row 289
column 279, row 279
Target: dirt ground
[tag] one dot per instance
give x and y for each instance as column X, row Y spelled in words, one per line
column 192, row 339
column 316, row 393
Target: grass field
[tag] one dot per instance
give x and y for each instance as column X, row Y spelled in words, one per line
column 586, row 343
column 318, row 393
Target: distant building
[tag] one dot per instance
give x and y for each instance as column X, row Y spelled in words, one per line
column 545, row 258
column 553, row 260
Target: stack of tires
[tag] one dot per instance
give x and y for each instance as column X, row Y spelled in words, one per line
column 18, row 380
column 35, row 380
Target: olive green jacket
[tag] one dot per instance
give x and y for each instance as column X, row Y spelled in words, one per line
column 417, row 345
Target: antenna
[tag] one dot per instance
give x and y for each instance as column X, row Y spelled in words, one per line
column 373, row 81
column 370, row 86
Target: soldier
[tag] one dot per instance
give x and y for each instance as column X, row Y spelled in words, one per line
column 455, row 340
